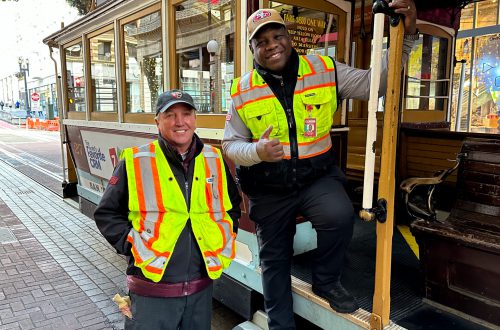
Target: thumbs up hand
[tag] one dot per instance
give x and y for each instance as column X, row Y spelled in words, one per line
column 269, row 150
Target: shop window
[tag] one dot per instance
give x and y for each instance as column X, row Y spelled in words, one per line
column 426, row 80
column 486, row 13
column 143, row 63
column 75, row 77
column 485, row 84
column 467, row 17
column 205, row 46
column 102, row 72
column 312, row 31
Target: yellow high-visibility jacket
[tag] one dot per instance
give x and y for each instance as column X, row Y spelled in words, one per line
column 158, row 210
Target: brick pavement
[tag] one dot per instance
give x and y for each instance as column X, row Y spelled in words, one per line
column 58, row 273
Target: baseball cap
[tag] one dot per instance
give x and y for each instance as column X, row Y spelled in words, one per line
column 260, row 18
column 171, row 97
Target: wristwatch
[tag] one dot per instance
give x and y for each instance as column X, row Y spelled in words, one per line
column 413, row 37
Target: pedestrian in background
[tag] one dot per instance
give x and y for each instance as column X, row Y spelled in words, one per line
column 278, row 131
column 172, row 207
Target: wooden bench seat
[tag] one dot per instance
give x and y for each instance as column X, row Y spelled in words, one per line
column 460, row 257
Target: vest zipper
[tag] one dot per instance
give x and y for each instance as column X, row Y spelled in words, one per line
column 186, row 185
column 190, row 234
column 292, row 133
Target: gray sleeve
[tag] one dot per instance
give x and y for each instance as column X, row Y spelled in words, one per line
column 237, row 142
column 354, row 83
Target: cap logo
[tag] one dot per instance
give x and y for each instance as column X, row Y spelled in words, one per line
column 261, row 15
column 176, row 95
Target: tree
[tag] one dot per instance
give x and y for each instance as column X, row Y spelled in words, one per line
column 83, row 6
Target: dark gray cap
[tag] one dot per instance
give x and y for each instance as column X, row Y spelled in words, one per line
column 171, row 97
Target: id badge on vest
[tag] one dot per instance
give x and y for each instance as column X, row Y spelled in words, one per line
column 310, row 123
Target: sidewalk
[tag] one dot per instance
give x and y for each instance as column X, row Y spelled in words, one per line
column 56, row 270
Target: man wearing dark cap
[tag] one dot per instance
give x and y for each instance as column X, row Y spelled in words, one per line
column 278, row 132
column 172, row 207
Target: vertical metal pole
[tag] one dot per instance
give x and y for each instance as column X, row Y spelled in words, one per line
column 61, row 117
column 28, row 108
column 458, row 118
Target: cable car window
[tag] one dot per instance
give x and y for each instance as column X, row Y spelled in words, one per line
column 205, row 51
column 427, row 81
column 143, row 63
column 75, row 77
column 102, row 72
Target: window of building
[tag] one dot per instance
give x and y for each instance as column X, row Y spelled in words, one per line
column 467, row 17
column 205, row 46
column 476, row 102
column 461, row 84
column 102, row 72
column 143, row 63
column 103, row 50
column 486, row 13
column 485, row 84
column 75, row 77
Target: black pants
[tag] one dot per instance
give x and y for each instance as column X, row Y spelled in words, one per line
column 192, row 312
column 326, row 204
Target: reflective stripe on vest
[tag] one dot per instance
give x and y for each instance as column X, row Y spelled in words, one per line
column 214, row 171
column 315, row 96
column 158, row 210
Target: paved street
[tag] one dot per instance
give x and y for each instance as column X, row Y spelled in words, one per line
column 56, row 270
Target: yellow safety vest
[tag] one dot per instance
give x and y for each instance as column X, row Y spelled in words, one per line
column 158, row 211
column 315, row 96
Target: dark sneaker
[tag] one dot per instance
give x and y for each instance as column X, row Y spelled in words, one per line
column 339, row 299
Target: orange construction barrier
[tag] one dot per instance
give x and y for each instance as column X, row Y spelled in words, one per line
column 52, row 125
column 30, row 123
column 49, row 125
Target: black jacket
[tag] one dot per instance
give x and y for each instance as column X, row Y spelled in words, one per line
column 111, row 217
column 288, row 173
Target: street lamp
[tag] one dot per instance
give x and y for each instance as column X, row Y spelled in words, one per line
column 213, row 49
column 24, row 66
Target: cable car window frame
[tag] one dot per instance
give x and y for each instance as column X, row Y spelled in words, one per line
column 212, row 120
column 130, row 117
column 95, row 115
column 426, row 115
column 73, row 114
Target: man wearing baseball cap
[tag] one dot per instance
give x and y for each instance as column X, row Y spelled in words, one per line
column 172, row 207
column 278, row 131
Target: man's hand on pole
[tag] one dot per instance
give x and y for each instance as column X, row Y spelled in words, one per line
column 408, row 9
column 269, row 150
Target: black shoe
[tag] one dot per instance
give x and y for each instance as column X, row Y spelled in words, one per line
column 339, row 299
